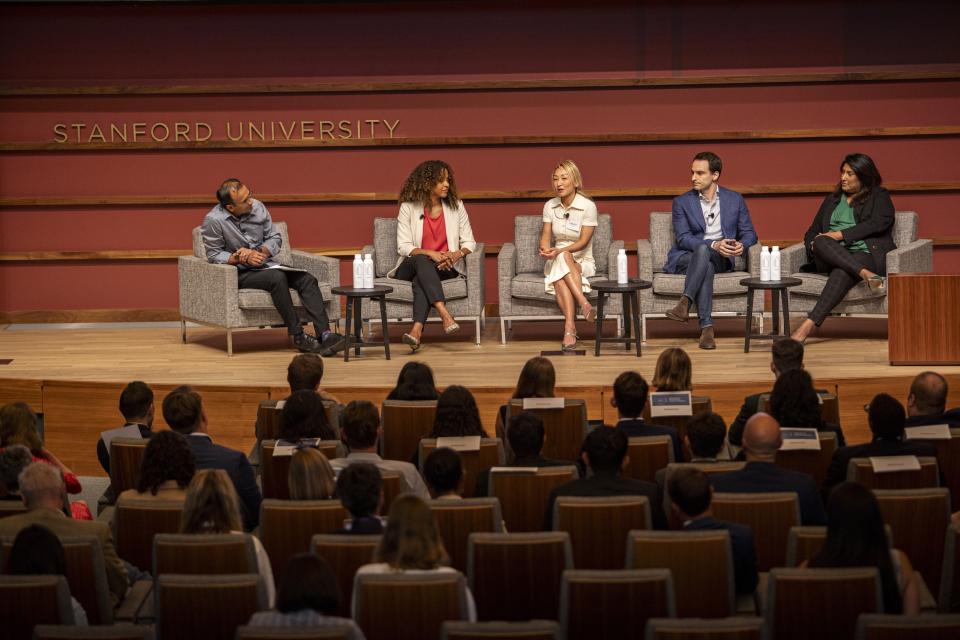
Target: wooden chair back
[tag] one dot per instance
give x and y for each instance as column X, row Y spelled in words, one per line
column 457, row 519
column 530, row 630
column 860, row 470
column 393, row 486
column 517, row 576
column 26, row 601
column 737, row 628
column 404, row 606
column 11, row 508
column 829, row 407
column 708, row 468
column 206, row 607
column 803, row 543
column 199, row 553
column 648, row 455
column 564, row 429
column 491, row 454
column 274, row 469
column 331, row 632
column 699, row 404
column 405, row 423
column 136, row 521
column 948, row 459
column 288, row 526
column 814, row 463
column 949, row 599
column 879, row 626
column 125, row 457
column 93, row 632
column 598, row 527
column 268, row 417
column 600, row 605
column 769, row 515
column 524, row 494
column 820, row 603
column 345, row 553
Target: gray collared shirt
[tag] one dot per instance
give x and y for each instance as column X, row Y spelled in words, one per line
column 711, row 216
column 224, row 233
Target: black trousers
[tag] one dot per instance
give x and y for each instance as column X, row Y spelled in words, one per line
column 843, row 267
column 422, row 272
column 278, row 283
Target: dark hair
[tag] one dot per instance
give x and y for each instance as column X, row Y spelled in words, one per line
column 525, row 433
column 794, row 402
column 37, row 551
column 787, row 354
column 167, row 456
column 706, row 432
column 13, row 460
column 359, row 423
column 457, row 414
column 307, row 582
column 135, row 400
column 856, row 538
column 886, row 417
column 713, row 160
column 605, row 448
column 630, row 393
column 537, row 379
column 411, row 539
column 415, row 382
column 182, row 409
column 867, row 173
column 305, row 372
column 443, row 471
column 358, row 487
column 225, row 192
column 929, row 390
column 422, row 180
column 689, row 489
column 303, row 416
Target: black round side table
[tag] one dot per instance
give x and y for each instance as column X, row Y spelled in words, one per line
column 780, row 291
column 631, row 310
column 354, row 297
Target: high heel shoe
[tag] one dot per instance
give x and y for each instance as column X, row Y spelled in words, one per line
column 877, row 284
column 569, row 347
column 590, row 314
column 412, row 342
column 451, row 329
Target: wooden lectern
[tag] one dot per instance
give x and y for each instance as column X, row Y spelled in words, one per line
column 923, row 318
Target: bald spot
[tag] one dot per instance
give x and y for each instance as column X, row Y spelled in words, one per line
column 761, row 436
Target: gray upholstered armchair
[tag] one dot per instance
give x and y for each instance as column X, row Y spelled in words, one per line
column 912, row 255
column 520, row 272
column 209, row 294
column 728, row 296
column 464, row 295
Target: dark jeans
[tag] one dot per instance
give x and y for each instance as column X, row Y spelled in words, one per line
column 278, row 283
column 699, row 266
column 843, row 267
column 422, row 272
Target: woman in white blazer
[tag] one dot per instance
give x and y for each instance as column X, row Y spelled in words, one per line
column 433, row 238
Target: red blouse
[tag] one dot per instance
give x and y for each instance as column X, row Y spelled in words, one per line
column 434, row 233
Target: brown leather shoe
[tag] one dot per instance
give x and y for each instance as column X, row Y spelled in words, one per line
column 706, row 339
column 681, row 312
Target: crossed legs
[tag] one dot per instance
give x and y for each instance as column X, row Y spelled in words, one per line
column 421, row 271
column 569, row 290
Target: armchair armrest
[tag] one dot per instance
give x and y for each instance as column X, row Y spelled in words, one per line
column 612, row 252
column 323, row 268
column 506, row 270
column 476, row 277
column 915, row 257
column 791, row 259
column 208, row 292
column 645, row 260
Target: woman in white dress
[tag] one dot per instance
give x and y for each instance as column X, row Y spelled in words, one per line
column 569, row 221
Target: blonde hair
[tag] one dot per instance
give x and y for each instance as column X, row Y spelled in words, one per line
column 211, row 505
column 674, row 371
column 18, row 425
column 574, row 171
column 310, row 476
column 411, row 539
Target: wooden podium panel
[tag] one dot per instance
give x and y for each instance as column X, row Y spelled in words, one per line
column 924, row 318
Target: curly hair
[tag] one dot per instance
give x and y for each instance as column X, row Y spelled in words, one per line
column 166, row 457
column 422, row 180
column 457, row 414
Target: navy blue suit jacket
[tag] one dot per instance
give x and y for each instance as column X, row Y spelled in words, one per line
column 689, row 225
column 761, row 477
column 741, row 544
column 215, row 456
column 639, row 429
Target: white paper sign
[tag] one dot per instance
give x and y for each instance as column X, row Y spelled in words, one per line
column 283, row 448
column 670, row 403
column 465, row 443
column 543, row 403
column 280, row 404
column 800, row 440
column 130, row 431
column 928, row 432
column 514, row 469
column 890, row 464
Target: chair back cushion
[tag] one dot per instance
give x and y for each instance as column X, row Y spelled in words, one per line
column 345, row 553
column 595, row 605
column 918, row 519
column 820, row 603
column 287, row 527
column 203, row 607
column 26, row 601
column 404, row 424
column 384, row 245
column 125, row 457
column 662, row 240
column 137, row 520
column 284, row 257
column 198, row 553
column 408, row 606
column 524, row 494
column 905, row 228
column 598, row 527
column 526, row 233
column 769, row 515
column 457, row 519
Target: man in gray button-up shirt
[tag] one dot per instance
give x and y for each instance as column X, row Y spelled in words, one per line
column 239, row 231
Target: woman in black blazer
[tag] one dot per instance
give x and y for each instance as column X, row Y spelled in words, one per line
column 849, row 238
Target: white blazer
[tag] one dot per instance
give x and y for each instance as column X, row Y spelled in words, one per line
column 410, row 231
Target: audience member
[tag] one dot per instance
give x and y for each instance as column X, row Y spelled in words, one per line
column 303, row 416
column 761, row 440
column 630, row 392
column 525, row 435
column 13, row 460
column 310, row 476
column 360, row 431
column 886, row 417
column 18, row 425
column 537, row 380
column 673, row 371
column 415, row 382
column 605, row 454
column 37, row 551
column 704, row 439
column 307, row 596
column 795, row 403
column 690, row 496
column 166, row 469
column 786, row 355
column 856, row 538
column 927, row 402
column 212, row 506
column 137, row 409
column 360, row 488
column 411, row 543
column 183, row 411
column 457, row 415
column 443, row 471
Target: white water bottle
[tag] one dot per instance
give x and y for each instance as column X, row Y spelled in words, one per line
column 622, row 267
column 357, row 272
column 368, row 272
column 775, row 264
column 765, row 264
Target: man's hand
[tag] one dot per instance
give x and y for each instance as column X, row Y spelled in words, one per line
column 726, row 249
column 256, row 258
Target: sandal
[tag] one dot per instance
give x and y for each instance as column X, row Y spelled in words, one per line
column 453, row 328
column 569, row 347
column 877, row 284
column 412, row 342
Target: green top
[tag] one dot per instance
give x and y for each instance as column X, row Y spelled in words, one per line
column 842, row 218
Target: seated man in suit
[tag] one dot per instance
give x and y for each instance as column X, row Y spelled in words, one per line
column 711, row 226
column 927, row 402
column 43, row 492
column 183, row 411
column 690, row 496
column 605, row 454
column 887, row 418
column 525, row 435
column 360, row 488
column 761, row 440
column 630, row 392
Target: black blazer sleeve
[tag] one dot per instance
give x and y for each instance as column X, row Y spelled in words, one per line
column 747, row 409
column 817, row 224
column 876, row 216
column 249, row 492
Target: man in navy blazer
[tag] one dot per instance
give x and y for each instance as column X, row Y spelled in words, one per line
column 711, row 226
column 630, row 393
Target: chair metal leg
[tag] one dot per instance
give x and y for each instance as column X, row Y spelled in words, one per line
column 183, row 331
column 503, row 331
column 229, row 343
column 478, row 322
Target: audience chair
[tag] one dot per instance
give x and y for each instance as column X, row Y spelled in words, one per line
column 699, row 404
column 948, row 459
column 524, row 494
column 520, row 272
column 701, row 563
column 529, row 630
column 517, row 576
column 649, row 454
column 457, row 519
column 916, row 518
column 274, row 469
column 820, row 603
column 136, row 521
column 739, row 628
column 408, row 606
column 769, row 515
column 491, row 454
column 287, row 527
column 206, row 607
column 202, row 553
column 564, row 428
column 598, row 527
column 860, row 470
column 393, row 486
column 125, row 457
column 345, row 553
column 949, row 599
column 707, row 467
column 597, row 605
column 26, row 601
column 95, row 632
column 803, row 543
column 878, row 626
column 11, row 508
column 405, row 423
column 813, row 463
column 268, row 417
column 332, row 632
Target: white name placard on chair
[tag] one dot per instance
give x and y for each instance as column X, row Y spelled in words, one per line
column 284, row 448
column 671, row 403
column 800, row 440
column 514, row 469
column 928, row 432
column 465, row 443
column 280, row 404
column 543, row 403
column 890, row 464
column 130, row 431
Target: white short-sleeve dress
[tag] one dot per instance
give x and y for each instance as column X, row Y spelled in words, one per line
column 567, row 223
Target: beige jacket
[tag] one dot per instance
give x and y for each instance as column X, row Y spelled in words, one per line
column 410, row 231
